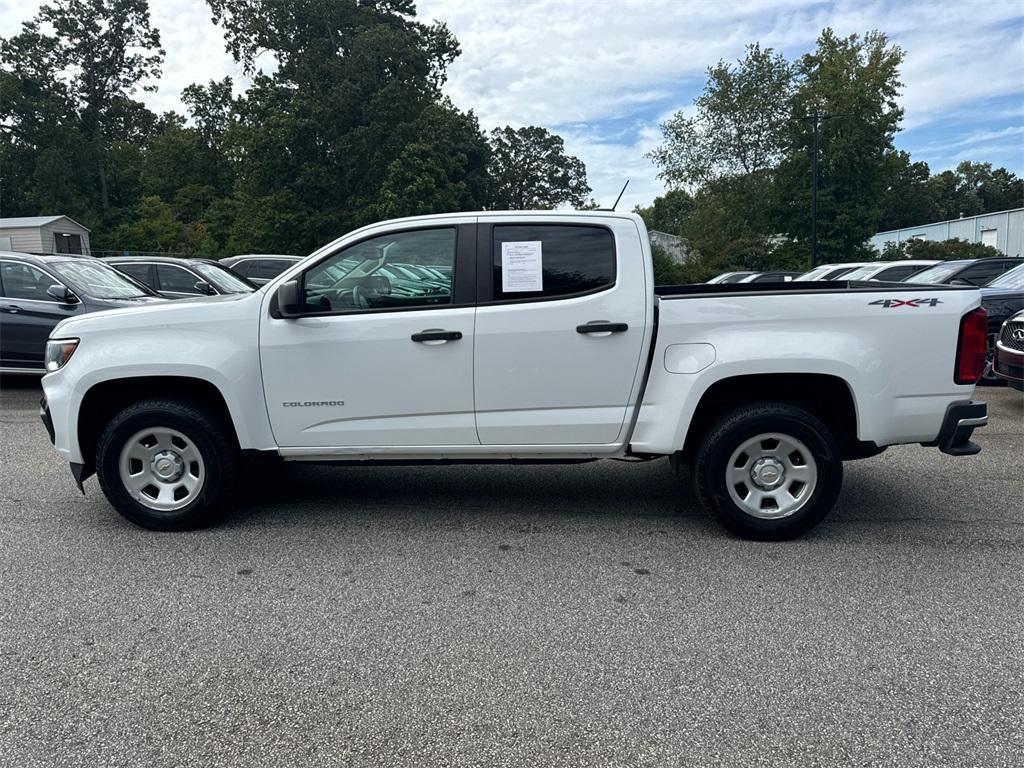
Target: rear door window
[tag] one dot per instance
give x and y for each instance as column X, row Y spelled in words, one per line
column 245, row 268
column 982, row 272
column 139, row 271
column 268, row 269
column 545, row 261
column 176, row 279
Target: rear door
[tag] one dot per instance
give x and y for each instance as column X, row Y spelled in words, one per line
column 560, row 329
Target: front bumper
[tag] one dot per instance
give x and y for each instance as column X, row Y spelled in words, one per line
column 1008, row 364
column 961, row 420
column 44, row 414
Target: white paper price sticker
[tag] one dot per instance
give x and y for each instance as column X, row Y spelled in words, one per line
column 521, row 267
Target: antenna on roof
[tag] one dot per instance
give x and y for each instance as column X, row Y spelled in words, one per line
column 620, row 194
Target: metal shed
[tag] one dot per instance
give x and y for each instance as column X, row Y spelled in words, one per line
column 44, row 234
column 1003, row 230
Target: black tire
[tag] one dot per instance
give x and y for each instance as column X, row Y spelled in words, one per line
column 709, row 472
column 210, row 436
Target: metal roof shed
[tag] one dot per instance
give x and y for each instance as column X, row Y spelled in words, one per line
column 44, row 234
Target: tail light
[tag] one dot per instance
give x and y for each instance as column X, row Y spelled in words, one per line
column 971, row 347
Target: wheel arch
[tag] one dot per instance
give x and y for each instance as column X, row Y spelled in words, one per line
column 103, row 400
column 828, row 397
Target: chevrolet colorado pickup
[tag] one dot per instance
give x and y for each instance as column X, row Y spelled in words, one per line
column 525, row 336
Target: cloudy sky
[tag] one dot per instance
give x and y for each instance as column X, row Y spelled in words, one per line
column 604, row 74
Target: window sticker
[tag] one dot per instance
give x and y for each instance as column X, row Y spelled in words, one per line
column 521, row 267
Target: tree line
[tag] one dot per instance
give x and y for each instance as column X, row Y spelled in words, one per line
column 738, row 165
column 352, row 127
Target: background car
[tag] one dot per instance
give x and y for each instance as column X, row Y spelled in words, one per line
column 729, row 277
column 260, row 268
column 966, row 271
column 1009, row 352
column 830, row 271
column 176, row 278
column 37, row 292
column 1002, row 298
column 769, row 277
column 889, row 271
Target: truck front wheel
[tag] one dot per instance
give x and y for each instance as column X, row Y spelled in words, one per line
column 770, row 471
column 166, row 465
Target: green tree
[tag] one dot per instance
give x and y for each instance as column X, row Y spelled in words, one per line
column 529, row 169
column 726, row 155
column 940, row 250
column 668, row 212
column 855, row 79
column 68, row 81
column 909, row 198
column 315, row 145
column 444, row 167
column 740, row 125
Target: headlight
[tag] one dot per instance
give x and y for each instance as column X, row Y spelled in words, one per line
column 58, row 352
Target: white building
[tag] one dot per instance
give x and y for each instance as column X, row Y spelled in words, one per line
column 44, row 234
column 1003, row 230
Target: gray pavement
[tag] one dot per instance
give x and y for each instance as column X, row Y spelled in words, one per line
column 525, row 616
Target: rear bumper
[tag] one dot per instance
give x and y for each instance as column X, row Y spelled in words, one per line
column 959, row 423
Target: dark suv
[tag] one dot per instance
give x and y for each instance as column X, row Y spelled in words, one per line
column 977, row 272
column 37, row 292
column 176, row 278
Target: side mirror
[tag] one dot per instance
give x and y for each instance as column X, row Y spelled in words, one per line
column 62, row 294
column 962, row 283
column 288, row 299
column 205, row 288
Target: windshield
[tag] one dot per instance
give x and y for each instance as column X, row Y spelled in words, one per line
column 223, row 279
column 98, row 280
column 935, row 274
column 1013, row 279
column 860, row 273
column 814, row 274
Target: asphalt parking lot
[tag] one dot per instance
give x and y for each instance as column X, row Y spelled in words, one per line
column 533, row 616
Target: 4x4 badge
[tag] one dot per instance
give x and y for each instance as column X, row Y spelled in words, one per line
column 893, row 303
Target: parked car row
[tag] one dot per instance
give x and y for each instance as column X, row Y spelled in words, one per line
column 977, row 272
column 38, row 291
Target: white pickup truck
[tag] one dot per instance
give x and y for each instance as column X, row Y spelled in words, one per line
column 505, row 337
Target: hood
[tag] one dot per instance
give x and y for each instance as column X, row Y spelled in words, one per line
column 155, row 312
column 137, row 301
column 1001, row 293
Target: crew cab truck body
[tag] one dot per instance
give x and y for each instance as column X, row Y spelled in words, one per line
column 549, row 342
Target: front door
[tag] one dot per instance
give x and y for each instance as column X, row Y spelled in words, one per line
column 381, row 356
column 28, row 314
column 560, row 331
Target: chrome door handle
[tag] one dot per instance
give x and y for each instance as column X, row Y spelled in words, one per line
column 12, row 308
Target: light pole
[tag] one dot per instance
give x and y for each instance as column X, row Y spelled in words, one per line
column 816, row 119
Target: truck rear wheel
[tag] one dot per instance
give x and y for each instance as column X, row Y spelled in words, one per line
column 769, row 472
column 167, row 465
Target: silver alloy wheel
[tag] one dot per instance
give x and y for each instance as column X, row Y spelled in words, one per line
column 162, row 469
column 771, row 476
